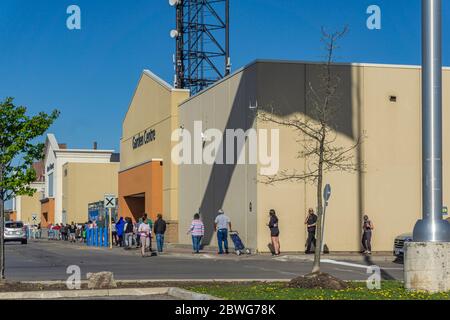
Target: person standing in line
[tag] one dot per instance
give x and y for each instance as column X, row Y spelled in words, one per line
column 311, row 222
column 128, row 230
column 274, row 232
column 114, row 232
column 138, row 235
column 149, row 221
column 119, row 226
column 367, row 235
column 197, row 231
column 159, row 230
column 144, row 235
column 222, row 225
column 72, row 232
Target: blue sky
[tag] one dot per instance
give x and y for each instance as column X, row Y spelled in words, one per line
column 90, row 75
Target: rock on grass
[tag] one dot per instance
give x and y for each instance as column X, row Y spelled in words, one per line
column 318, row 281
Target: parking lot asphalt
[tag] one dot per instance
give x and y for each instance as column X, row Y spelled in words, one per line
column 49, row 260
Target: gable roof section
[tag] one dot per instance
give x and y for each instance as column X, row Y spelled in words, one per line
column 154, row 77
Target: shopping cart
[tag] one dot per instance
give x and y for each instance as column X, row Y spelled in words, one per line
column 238, row 244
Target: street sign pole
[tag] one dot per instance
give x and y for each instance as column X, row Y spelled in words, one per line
column 326, row 197
column 109, row 204
column 110, row 228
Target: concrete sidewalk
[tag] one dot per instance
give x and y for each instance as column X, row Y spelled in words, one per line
column 210, row 252
column 177, row 293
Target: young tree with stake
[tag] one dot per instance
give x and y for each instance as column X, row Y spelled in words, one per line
column 17, row 154
column 317, row 132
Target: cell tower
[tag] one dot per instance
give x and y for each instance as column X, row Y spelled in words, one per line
column 202, row 43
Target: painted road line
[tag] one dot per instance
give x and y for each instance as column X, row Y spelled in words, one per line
column 354, row 265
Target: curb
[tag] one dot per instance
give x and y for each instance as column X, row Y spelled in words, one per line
column 67, row 294
column 53, row 282
column 183, row 294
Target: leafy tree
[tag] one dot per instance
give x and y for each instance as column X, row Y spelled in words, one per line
column 17, row 154
column 317, row 133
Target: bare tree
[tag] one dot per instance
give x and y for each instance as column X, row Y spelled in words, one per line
column 317, row 131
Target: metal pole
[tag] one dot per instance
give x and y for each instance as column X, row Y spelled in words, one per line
column 432, row 227
column 110, row 228
column 227, row 38
column 323, row 226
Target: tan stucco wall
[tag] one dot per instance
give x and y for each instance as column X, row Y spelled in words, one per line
column 154, row 106
column 29, row 206
column 389, row 189
column 86, row 183
column 211, row 187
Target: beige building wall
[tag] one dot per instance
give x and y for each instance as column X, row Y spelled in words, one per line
column 85, row 183
column 31, row 206
column 154, row 107
column 206, row 188
column 389, row 188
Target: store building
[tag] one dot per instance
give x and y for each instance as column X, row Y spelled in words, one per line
column 85, row 183
column 73, row 178
column 28, row 208
column 382, row 103
column 148, row 180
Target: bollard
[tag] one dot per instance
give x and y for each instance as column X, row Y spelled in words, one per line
column 100, row 237
column 88, row 237
column 106, row 235
column 91, row 231
column 95, row 236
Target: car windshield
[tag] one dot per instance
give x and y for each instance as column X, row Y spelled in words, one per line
column 14, row 225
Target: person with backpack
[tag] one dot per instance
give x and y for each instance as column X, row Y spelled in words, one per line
column 159, row 230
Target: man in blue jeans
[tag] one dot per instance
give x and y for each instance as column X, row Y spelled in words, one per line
column 221, row 225
column 160, row 229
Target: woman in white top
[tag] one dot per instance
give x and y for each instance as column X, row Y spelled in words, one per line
column 144, row 233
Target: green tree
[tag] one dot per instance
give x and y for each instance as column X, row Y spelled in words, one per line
column 17, row 154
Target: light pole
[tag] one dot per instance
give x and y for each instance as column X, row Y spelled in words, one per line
column 432, row 228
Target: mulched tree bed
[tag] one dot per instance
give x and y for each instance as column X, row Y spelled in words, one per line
column 318, row 281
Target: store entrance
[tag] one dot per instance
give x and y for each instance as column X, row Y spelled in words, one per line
column 136, row 205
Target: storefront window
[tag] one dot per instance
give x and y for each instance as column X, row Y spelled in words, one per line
column 50, row 185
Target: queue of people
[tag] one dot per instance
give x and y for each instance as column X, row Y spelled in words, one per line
column 139, row 234
column 68, row 232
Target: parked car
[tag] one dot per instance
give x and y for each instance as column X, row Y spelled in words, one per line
column 15, row 231
column 399, row 244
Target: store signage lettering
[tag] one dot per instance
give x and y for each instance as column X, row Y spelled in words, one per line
column 141, row 139
column 50, row 167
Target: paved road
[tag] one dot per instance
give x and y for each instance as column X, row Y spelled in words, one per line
column 49, row 261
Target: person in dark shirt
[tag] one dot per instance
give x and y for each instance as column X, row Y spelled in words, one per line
column 310, row 222
column 160, row 229
column 367, row 235
column 274, row 232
